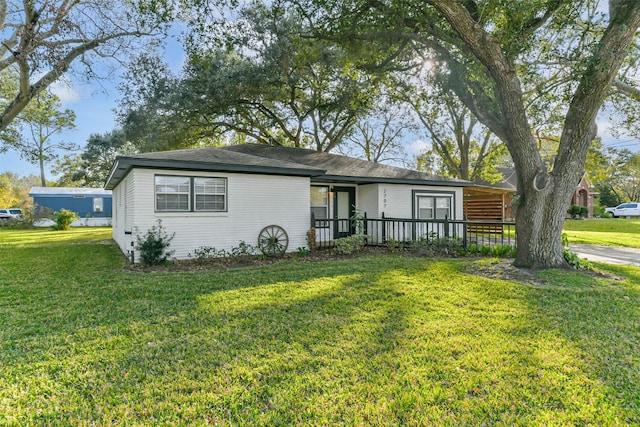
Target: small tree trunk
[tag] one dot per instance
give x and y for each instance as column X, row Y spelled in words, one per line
column 42, row 179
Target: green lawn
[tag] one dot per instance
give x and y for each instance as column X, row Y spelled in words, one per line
column 378, row 340
column 600, row 231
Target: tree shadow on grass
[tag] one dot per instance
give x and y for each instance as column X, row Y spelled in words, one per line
column 599, row 316
column 379, row 340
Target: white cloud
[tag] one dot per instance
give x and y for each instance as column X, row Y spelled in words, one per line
column 417, row 147
column 65, row 90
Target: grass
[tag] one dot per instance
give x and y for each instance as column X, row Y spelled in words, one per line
column 377, row 340
column 600, row 231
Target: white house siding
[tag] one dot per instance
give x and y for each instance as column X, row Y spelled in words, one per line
column 367, row 200
column 253, row 202
column 397, row 201
column 123, row 202
column 117, row 230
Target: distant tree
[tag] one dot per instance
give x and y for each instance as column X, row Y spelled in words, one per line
column 91, row 167
column 42, row 120
column 607, row 197
column 626, row 178
column 379, row 136
column 461, row 147
column 8, row 194
column 614, row 172
column 14, row 189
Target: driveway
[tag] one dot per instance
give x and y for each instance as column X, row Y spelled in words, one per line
column 608, row 254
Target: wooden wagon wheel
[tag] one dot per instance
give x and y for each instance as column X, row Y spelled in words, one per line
column 273, row 240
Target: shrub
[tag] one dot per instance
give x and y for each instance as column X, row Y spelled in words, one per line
column 486, row 250
column 584, row 211
column 350, row 244
column 64, row 218
column 205, row 253
column 154, row 245
column 575, row 261
column 434, row 244
column 303, row 252
column 243, row 250
column 473, row 248
column 502, row 250
column 598, row 211
column 574, row 211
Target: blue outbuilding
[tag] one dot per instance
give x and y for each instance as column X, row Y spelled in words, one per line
column 86, row 202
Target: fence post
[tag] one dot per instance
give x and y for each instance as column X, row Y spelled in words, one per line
column 446, row 225
column 364, row 228
column 313, row 220
column 464, row 231
column 384, row 229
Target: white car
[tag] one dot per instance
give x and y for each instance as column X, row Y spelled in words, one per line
column 625, row 209
column 11, row 213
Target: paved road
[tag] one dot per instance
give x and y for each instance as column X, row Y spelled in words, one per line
column 607, row 254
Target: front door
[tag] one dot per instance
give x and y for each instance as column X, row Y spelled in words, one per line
column 344, row 204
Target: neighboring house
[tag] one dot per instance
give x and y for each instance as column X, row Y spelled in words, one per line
column 93, row 205
column 492, row 202
column 583, row 196
column 217, row 197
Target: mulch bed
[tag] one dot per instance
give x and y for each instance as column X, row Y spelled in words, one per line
column 503, row 269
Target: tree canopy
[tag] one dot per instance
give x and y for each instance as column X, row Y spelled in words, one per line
column 271, row 85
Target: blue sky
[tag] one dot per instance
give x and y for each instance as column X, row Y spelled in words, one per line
column 94, row 105
column 93, row 108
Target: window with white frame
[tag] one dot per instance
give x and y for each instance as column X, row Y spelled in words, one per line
column 173, row 193
column 188, row 194
column 431, row 206
column 210, row 194
column 98, row 204
column 320, row 202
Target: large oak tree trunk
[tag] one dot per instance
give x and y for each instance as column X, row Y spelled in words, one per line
column 539, row 221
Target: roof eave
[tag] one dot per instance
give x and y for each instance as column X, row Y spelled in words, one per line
column 125, row 164
column 377, row 180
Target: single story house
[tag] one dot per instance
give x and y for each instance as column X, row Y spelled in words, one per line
column 93, row 205
column 217, row 197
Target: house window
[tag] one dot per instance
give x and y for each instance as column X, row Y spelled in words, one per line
column 172, row 193
column 320, row 202
column 425, row 207
column 188, row 194
column 433, row 206
column 210, row 194
column 98, row 204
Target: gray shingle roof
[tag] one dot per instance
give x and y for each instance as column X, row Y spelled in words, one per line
column 256, row 158
column 342, row 168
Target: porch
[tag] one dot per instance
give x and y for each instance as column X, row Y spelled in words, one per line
column 406, row 231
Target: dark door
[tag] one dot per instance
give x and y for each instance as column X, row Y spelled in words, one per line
column 344, row 204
